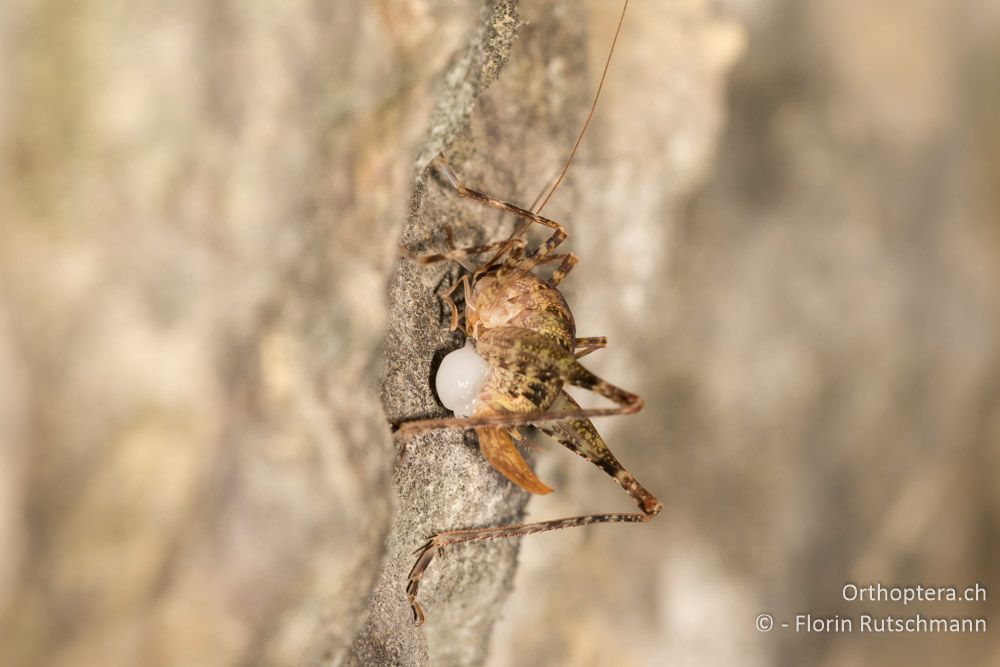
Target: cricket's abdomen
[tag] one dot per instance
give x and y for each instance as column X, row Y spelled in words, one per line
column 526, row 374
column 527, row 370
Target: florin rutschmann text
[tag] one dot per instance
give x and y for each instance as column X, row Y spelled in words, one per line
column 875, row 595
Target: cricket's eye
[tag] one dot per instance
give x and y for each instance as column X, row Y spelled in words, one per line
column 459, row 379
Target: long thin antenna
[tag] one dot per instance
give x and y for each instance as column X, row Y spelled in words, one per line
column 586, row 123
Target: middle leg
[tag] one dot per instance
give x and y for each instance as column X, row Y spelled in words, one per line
column 585, row 346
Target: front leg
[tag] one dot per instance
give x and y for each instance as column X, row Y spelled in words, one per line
column 558, row 234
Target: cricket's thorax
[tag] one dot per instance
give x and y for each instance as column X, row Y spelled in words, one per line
column 518, row 298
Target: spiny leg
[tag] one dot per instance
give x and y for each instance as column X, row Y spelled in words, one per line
column 457, row 255
column 446, row 297
column 512, row 249
column 585, row 346
column 558, row 234
column 569, row 260
column 566, row 263
column 578, row 436
column 436, row 544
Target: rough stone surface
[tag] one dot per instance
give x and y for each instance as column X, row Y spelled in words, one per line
column 504, row 136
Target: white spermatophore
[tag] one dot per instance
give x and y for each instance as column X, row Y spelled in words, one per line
column 459, row 379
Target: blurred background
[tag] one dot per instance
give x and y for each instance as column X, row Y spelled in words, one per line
column 811, row 312
column 788, row 220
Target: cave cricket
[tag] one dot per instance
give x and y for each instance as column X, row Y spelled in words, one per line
column 524, row 331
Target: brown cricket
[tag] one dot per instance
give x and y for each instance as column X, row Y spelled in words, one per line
column 523, row 328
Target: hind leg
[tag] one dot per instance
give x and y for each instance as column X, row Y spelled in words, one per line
column 580, row 437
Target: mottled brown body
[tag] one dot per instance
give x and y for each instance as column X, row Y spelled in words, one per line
column 518, row 298
column 523, row 328
column 526, row 376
